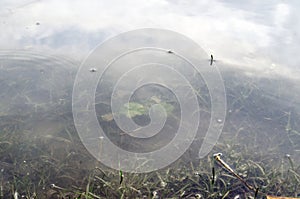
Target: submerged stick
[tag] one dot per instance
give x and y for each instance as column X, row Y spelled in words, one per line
column 217, row 157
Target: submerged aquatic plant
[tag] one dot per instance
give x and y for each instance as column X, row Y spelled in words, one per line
column 49, row 161
column 134, row 109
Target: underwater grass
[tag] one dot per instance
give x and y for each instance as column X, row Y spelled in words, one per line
column 33, row 171
column 55, row 164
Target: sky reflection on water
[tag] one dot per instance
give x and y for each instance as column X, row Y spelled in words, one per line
column 259, row 35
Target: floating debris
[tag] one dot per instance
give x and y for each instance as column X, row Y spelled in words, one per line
column 101, row 137
column 92, row 70
column 37, row 23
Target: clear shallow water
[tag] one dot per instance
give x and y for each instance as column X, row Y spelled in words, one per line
column 40, row 145
column 255, row 49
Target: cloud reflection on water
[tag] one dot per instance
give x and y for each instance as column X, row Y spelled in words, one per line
column 261, row 36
